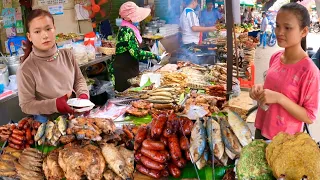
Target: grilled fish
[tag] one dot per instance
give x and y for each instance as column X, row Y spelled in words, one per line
column 40, row 132
column 228, row 137
column 62, row 124
column 203, row 160
column 197, row 141
column 214, row 138
column 240, row 128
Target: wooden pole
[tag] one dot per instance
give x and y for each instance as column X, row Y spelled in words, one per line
column 229, row 18
column 236, row 48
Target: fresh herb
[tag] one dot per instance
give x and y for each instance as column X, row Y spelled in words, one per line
column 148, row 83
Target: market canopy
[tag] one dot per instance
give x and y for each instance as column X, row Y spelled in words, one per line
column 246, row 2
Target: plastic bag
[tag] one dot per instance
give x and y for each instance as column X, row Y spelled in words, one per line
column 80, row 53
column 157, row 48
column 91, row 52
column 101, row 87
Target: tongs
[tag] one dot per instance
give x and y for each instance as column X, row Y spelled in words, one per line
column 5, row 58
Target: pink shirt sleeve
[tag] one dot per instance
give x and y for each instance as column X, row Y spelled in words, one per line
column 310, row 92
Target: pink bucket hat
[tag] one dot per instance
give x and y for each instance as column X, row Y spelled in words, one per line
column 129, row 11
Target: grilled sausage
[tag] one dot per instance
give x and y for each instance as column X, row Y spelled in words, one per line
column 165, row 173
column 28, row 134
column 36, row 124
column 15, row 146
column 174, row 170
column 33, row 132
column 181, row 163
column 174, row 147
column 140, row 136
column 158, row 126
column 26, row 125
column 18, row 137
column 153, row 145
column 151, row 164
column 18, row 132
column 158, row 156
column 22, row 123
column 137, row 156
column 184, row 143
column 149, row 172
column 31, row 141
column 166, row 153
column 187, row 126
column 164, row 140
column 187, row 154
column 15, row 141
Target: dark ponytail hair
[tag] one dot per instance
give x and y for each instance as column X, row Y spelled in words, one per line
column 27, row 46
column 299, row 11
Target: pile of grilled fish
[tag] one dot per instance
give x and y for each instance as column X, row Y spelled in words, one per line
column 195, row 77
column 7, row 159
column 81, row 160
column 50, row 132
column 120, row 161
column 29, row 165
column 51, row 167
column 90, row 128
column 226, row 137
column 163, row 95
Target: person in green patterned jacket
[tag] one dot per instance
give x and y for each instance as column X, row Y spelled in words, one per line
column 128, row 53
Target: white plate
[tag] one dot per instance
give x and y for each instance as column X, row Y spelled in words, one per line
column 85, row 109
column 79, row 103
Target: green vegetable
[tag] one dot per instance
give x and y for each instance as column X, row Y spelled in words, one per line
column 139, row 120
column 181, row 98
column 220, row 114
column 46, row 149
column 189, row 172
column 187, row 90
column 109, row 37
column 201, row 91
column 148, row 83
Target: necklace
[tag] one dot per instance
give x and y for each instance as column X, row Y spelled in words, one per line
column 54, row 56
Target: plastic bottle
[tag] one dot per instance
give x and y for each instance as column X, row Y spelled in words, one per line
column 97, row 44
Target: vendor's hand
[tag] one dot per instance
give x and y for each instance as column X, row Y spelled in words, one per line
column 256, row 91
column 269, row 97
column 83, row 96
column 213, row 28
column 62, row 105
column 163, row 55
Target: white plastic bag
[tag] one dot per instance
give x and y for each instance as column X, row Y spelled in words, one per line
column 91, row 52
column 80, row 53
column 157, row 48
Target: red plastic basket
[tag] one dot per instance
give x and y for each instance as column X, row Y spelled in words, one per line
column 244, row 83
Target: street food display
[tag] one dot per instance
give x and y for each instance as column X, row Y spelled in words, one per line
column 176, row 124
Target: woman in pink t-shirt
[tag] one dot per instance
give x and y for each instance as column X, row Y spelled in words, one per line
column 291, row 88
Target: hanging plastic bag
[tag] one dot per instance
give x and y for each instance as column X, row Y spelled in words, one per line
column 91, row 52
column 80, row 53
column 157, row 48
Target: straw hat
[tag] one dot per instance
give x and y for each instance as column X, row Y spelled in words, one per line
column 129, row 11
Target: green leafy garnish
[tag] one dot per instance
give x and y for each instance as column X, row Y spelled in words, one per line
column 189, row 172
column 139, row 120
column 181, row 98
column 148, row 83
column 220, row 114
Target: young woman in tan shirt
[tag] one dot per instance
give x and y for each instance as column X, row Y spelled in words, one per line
column 47, row 76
